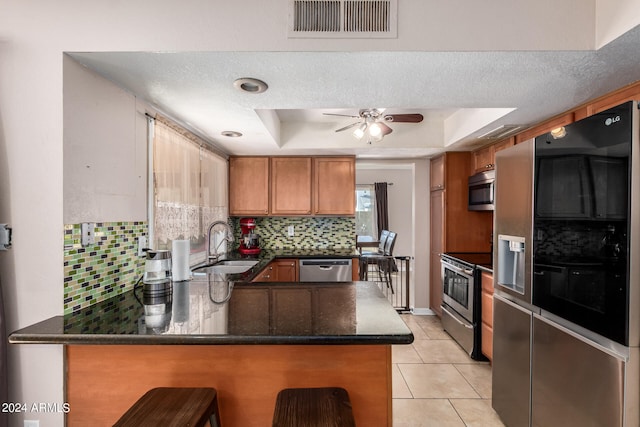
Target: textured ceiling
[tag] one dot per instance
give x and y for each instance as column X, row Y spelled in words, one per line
column 461, row 94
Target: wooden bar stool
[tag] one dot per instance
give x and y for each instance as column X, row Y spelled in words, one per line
column 173, row 407
column 313, row 407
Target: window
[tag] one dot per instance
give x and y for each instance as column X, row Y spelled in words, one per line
column 366, row 211
column 189, row 189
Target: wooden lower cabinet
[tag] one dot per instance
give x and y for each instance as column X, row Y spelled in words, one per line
column 103, row 381
column 486, row 301
column 279, row 270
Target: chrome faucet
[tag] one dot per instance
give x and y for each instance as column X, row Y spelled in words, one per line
column 228, row 238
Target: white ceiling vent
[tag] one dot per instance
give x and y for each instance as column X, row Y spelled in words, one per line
column 501, row 132
column 343, row 18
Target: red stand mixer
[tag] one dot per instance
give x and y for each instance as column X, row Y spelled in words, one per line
column 249, row 241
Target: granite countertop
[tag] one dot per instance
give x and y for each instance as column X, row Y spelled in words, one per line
column 268, row 255
column 201, row 311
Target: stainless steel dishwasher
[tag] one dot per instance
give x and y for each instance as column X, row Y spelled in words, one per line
column 325, row 270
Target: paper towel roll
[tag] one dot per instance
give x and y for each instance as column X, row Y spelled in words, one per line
column 180, row 256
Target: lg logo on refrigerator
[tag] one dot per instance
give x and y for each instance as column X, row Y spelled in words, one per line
column 612, row 120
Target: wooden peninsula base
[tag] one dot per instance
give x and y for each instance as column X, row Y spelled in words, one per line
column 103, row 381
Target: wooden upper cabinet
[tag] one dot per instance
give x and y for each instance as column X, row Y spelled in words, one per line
column 437, row 173
column 291, row 185
column 261, row 186
column 248, row 185
column 335, row 185
column 484, row 159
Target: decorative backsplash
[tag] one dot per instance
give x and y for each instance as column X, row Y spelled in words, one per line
column 556, row 239
column 111, row 266
column 102, row 270
column 309, row 232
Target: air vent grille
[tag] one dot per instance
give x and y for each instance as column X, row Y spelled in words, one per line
column 366, row 16
column 501, row 132
column 343, row 18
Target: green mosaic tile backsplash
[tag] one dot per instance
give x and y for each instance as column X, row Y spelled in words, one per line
column 111, row 266
column 102, row 270
column 309, row 232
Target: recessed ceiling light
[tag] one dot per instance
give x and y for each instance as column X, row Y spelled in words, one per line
column 231, row 133
column 250, row 85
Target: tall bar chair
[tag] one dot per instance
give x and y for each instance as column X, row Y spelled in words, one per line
column 365, row 259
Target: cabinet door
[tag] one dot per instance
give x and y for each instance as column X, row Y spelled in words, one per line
column 249, row 186
column 285, row 270
column 437, row 173
column 483, row 159
column 486, row 307
column 291, row 186
column 266, row 275
column 335, row 185
column 437, row 227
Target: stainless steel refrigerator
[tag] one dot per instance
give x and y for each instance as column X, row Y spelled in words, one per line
column 567, row 275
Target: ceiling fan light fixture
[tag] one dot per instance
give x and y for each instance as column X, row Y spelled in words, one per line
column 377, row 137
column 375, row 131
column 359, row 132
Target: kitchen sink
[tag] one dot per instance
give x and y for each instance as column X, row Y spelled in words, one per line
column 231, row 266
column 238, row 262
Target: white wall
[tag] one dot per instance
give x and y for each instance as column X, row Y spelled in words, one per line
column 105, row 150
column 408, row 214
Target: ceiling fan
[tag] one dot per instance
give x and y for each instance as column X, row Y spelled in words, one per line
column 372, row 123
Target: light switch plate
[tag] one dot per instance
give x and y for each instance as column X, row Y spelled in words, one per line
column 88, row 232
column 31, row 423
column 291, row 231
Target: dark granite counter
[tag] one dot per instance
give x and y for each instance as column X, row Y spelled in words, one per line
column 268, row 255
column 204, row 311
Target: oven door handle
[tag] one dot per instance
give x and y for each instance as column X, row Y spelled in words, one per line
column 465, row 271
column 455, row 317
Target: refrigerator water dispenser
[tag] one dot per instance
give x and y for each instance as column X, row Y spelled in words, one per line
column 511, row 259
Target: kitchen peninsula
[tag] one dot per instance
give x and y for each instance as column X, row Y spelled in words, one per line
column 248, row 340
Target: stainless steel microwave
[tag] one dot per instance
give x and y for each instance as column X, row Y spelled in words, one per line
column 481, row 191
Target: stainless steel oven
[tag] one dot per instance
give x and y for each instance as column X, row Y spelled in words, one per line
column 461, row 299
column 457, row 287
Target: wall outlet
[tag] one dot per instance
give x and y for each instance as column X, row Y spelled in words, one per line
column 291, row 231
column 88, row 233
column 142, row 244
column 31, row 423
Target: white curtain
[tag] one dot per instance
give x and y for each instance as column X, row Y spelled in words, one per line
column 189, row 187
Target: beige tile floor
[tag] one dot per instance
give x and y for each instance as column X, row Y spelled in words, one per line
column 435, row 383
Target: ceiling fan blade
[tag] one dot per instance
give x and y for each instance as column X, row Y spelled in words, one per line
column 341, row 115
column 348, row 126
column 404, row 118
